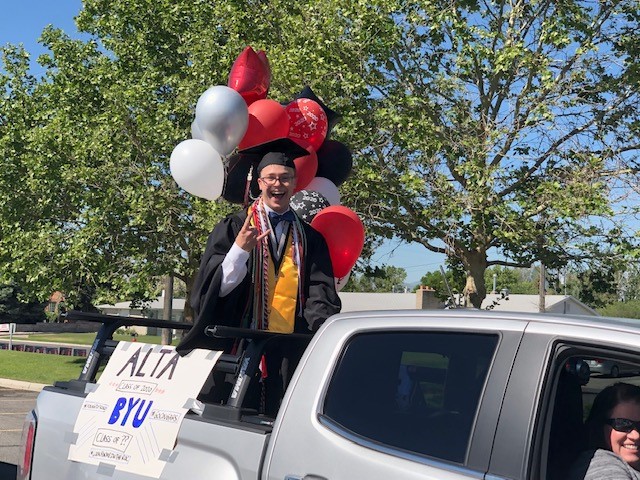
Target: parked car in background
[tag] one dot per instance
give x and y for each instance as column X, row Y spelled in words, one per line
column 611, row 368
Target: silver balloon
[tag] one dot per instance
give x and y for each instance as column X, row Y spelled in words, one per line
column 326, row 188
column 222, row 118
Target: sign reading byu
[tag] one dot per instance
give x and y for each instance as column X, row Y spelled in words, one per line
column 131, row 419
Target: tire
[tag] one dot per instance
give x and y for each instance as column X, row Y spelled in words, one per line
column 615, row 371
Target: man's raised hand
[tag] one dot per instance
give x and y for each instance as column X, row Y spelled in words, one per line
column 248, row 236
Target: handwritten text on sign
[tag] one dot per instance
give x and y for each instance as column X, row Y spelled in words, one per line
column 136, row 410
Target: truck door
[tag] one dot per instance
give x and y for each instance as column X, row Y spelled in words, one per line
column 551, row 391
column 393, row 404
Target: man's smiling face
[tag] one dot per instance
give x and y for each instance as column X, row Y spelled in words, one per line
column 277, row 184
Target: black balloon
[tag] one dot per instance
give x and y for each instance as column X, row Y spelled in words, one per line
column 236, row 182
column 333, row 117
column 307, row 204
column 334, row 161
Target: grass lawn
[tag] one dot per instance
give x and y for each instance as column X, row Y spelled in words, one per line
column 48, row 368
column 87, row 338
column 39, row 367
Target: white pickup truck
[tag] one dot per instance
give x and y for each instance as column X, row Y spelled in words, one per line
column 455, row 394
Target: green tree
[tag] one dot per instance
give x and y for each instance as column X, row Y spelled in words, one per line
column 14, row 309
column 497, row 122
column 630, row 309
column 516, row 280
column 88, row 201
column 474, row 126
column 379, row 279
column 454, row 279
column 597, row 287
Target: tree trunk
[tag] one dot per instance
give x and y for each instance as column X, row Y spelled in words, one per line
column 475, row 289
column 188, row 310
column 187, row 313
column 167, row 307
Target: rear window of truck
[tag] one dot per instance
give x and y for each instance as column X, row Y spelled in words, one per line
column 413, row 391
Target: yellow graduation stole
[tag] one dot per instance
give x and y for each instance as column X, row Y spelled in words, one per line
column 283, row 291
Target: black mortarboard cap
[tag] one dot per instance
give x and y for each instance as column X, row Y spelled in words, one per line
column 281, row 151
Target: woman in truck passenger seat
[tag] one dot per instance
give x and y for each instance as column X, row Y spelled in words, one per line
column 613, row 429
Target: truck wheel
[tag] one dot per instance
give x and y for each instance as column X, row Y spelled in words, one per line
column 615, row 371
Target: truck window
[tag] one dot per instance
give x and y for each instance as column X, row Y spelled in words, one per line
column 412, row 391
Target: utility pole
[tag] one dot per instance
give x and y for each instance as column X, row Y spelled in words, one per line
column 541, row 290
column 446, row 284
column 541, row 243
column 166, row 308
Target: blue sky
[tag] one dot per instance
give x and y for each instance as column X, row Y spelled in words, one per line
column 23, row 22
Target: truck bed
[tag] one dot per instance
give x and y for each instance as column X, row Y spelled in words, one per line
column 231, row 449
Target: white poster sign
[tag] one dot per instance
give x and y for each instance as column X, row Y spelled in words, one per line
column 131, row 420
column 8, row 327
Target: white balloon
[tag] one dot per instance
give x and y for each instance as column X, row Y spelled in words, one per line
column 326, row 188
column 222, row 118
column 195, row 131
column 342, row 281
column 197, row 168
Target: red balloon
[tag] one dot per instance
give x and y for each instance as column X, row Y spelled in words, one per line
column 250, row 75
column 306, row 168
column 343, row 231
column 268, row 120
column 307, row 122
column 333, row 117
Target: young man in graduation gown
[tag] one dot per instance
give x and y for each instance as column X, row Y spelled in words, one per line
column 264, row 268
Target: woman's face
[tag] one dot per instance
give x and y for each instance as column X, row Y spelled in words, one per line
column 625, row 445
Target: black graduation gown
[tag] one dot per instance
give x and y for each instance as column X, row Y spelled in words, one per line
column 319, row 290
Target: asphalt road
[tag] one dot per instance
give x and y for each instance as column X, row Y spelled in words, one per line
column 14, row 405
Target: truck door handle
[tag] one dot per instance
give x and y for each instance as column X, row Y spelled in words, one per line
column 306, row 477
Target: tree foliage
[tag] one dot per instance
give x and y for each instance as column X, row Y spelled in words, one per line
column 597, row 287
column 629, row 309
column 501, row 128
column 15, row 309
column 379, row 279
column 454, row 284
column 515, row 280
column 90, row 204
column 476, row 127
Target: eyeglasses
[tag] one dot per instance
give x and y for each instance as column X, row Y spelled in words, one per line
column 284, row 180
column 623, row 424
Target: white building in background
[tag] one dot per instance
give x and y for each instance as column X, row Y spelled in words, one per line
column 423, row 298
column 153, row 309
column 351, row 302
column 558, row 304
